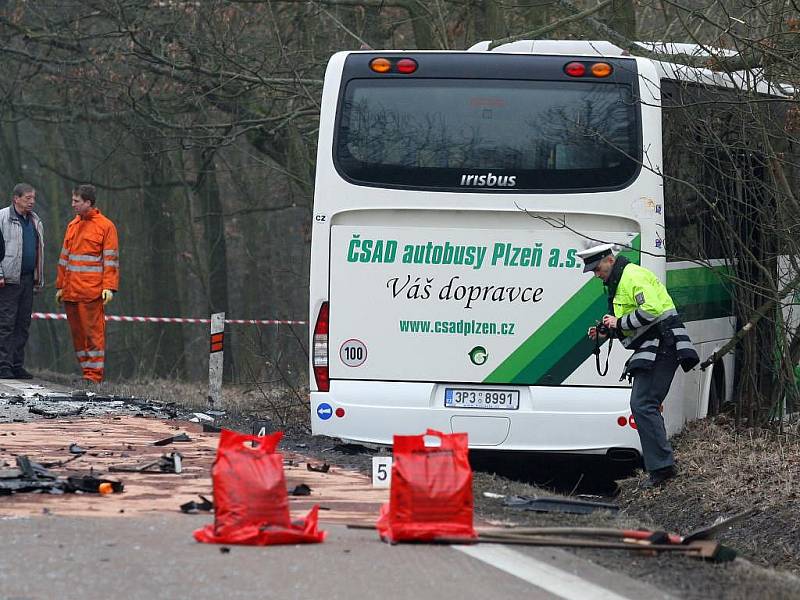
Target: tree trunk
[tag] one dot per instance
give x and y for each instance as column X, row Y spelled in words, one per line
column 492, row 21
column 622, row 18
column 161, row 275
column 421, row 25
column 207, row 190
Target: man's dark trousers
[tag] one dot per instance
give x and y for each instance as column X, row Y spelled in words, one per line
column 650, row 387
column 16, row 304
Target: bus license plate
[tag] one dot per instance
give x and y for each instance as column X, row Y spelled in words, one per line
column 479, row 398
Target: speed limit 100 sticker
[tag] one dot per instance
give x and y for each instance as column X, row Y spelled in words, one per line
column 353, row 353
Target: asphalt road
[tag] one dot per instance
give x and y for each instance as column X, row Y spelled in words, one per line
column 156, row 557
column 153, row 555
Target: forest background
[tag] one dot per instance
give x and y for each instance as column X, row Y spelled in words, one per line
column 197, row 122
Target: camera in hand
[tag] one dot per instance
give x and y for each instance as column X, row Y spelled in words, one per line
column 603, row 329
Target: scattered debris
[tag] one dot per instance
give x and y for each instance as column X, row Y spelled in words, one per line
column 721, row 523
column 300, row 490
column 493, row 495
column 167, row 463
column 37, row 401
column 698, row 543
column 655, row 537
column 181, row 437
column 74, row 448
column 206, row 419
column 93, row 484
column 57, row 414
column 706, row 549
column 323, row 468
column 30, row 476
column 586, row 537
column 192, row 507
column 201, row 417
column 556, row 504
column 61, row 463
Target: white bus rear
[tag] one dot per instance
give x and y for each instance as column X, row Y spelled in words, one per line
column 453, row 190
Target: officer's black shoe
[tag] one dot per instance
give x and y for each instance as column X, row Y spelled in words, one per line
column 6, row 374
column 659, row 477
column 21, row 373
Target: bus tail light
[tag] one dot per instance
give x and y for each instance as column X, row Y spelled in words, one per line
column 575, row 69
column 380, row 65
column 579, row 69
column 406, row 65
column 601, row 69
column 321, row 349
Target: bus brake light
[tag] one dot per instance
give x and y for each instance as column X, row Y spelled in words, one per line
column 321, row 349
column 406, row 65
column 575, row 69
column 380, row 65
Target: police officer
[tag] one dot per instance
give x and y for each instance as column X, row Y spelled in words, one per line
column 643, row 316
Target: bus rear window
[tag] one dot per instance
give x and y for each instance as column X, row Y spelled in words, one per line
column 473, row 135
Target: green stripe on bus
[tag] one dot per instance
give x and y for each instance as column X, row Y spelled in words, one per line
column 560, row 345
column 573, row 347
column 700, row 292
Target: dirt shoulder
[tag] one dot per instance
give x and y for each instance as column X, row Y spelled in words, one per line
column 723, row 472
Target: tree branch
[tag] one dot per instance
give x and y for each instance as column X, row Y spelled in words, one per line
column 759, row 314
column 552, row 26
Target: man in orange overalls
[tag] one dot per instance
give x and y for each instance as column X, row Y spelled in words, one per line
column 88, row 276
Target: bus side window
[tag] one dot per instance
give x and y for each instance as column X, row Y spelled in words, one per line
column 706, row 153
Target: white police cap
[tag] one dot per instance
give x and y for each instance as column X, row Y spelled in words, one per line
column 592, row 256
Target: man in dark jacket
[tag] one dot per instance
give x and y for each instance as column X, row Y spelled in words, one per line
column 21, row 273
column 643, row 316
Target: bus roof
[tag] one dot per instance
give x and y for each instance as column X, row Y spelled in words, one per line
column 747, row 79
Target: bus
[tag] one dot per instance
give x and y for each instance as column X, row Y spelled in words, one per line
column 453, row 190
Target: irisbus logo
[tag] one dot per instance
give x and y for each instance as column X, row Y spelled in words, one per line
column 489, row 180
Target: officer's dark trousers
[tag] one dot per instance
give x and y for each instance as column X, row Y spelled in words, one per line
column 16, row 303
column 650, row 387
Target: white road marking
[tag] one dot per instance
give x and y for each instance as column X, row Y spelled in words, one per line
column 544, row 576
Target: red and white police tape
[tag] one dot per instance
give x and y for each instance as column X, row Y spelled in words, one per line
column 127, row 319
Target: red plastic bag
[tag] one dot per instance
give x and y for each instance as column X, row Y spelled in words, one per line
column 431, row 490
column 251, row 505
